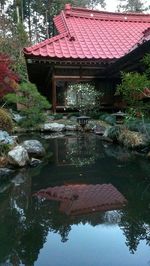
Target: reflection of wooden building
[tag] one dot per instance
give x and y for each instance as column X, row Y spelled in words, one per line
column 90, row 46
column 81, row 199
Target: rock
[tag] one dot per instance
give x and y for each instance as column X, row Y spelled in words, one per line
column 6, row 172
column 71, row 127
column 18, row 156
column 99, row 130
column 34, row 147
column 17, row 117
column 53, row 127
column 5, row 138
column 35, row 162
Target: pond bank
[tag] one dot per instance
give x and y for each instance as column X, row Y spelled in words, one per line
column 30, row 153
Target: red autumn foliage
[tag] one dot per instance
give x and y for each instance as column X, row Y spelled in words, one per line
column 8, row 79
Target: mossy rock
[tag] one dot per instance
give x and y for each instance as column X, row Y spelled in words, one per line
column 5, row 121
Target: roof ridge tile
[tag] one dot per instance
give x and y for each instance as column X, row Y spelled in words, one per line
column 106, row 15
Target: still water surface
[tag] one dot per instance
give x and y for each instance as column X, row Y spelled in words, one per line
column 87, row 204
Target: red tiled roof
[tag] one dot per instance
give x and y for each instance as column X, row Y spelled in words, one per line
column 88, row 34
column 80, row 199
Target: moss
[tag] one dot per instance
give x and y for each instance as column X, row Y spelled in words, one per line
column 5, row 121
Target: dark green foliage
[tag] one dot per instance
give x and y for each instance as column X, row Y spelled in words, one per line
column 135, row 124
column 146, row 61
column 73, row 114
column 48, row 9
column 95, row 115
column 108, row 118
column 132, row 89
column 58, row 116
column 114, row 132
column 32, row 104
column 4, row 149
column 132, row 86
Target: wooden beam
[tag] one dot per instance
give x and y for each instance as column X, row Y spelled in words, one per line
column 78, row 78
column 54, row 94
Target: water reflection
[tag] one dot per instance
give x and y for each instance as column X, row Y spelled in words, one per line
column 79, row 151
column 26, row 220
column 82, row 199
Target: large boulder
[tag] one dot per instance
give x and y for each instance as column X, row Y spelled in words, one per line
column 34, row 147
column 18, row 156
column 53, row 127
column 71, row 127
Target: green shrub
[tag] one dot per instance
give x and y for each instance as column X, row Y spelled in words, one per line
column 114, row 132
column 4, row 149
column 5, row 121
column 73, row 114
column 58, row 116
column 32, row 104
column 108, row 118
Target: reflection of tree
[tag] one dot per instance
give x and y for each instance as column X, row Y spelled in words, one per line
column 133, row 230
column 135, row 220
column 20, row 242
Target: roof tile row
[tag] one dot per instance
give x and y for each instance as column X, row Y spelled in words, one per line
column 101, row 36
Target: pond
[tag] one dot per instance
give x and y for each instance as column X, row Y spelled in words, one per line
column 87, row 204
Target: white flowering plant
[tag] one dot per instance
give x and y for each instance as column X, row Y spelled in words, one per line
column 83, row 97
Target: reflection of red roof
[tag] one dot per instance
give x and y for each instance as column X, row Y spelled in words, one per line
column 79, row 199
column 88, row 34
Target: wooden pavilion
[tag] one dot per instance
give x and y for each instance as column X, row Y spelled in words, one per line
column 91, row 46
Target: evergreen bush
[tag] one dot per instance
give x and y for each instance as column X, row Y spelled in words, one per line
column 31, row 103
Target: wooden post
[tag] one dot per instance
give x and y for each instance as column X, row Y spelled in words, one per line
column 54, row 94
